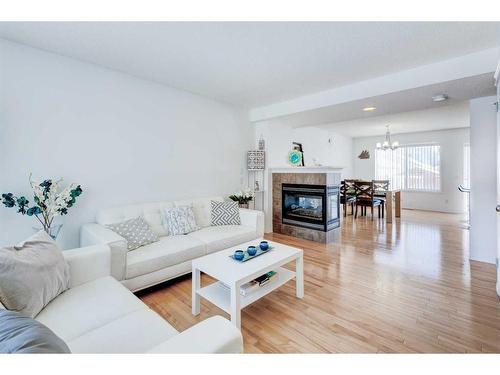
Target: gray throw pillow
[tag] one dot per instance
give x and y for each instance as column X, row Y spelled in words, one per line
column 20, row 334
column 225, row 213
column 32, row 274
column 179, row 220
column 136, row 231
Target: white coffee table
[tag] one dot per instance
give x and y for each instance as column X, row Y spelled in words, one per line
column 234, row 274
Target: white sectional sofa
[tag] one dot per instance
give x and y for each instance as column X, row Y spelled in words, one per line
column 171, row 256
column 99, row 315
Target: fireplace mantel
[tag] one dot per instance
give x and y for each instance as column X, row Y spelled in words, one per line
column 322, row 169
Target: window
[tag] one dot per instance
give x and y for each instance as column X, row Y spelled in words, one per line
column 410, row 167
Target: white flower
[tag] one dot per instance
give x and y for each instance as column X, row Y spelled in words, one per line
column 248, row 193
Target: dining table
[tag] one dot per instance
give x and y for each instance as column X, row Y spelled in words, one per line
column 392, row 202
column 391, row 196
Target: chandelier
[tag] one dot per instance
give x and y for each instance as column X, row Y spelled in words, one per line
column 388, row 144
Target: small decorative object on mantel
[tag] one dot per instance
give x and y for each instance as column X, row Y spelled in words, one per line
column 298, row 147
column 316, row 163
column 256, row 160
column 257, row 186
column 365, row 154
column 49, row 203
column 295, row 158
column 242, row 197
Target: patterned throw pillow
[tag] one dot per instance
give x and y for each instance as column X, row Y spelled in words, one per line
column 179, row 220
column 225, row 213
column 136, row 231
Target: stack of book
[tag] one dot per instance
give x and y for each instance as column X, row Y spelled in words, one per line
column 257, row 283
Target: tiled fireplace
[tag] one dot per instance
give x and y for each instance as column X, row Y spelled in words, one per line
column 306, row 205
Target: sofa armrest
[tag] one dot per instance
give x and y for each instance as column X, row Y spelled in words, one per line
column 96, row 234
column 253, row 218
column 213, row 335
column 88, row 263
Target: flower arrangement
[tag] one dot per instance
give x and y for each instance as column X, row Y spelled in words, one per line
column 49, row 202
column 242, row 197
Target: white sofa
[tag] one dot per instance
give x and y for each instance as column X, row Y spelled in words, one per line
column 171, row 256
column 99, row 315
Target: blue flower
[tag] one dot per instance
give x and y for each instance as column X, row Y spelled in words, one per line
column 22, row 203
column 76, row 192
column 35, row 210
column 46, row 186
column 8, row 200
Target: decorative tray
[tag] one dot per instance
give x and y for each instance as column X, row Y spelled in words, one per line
column 249, row 257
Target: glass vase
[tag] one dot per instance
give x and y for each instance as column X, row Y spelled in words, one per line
column 52, row 231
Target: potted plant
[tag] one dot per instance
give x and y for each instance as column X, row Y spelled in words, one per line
column 49, row 203
column 242, row 197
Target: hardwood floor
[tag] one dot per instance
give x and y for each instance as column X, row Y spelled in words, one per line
column 406, row 287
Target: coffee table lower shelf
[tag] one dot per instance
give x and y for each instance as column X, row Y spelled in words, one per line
column 220, row 296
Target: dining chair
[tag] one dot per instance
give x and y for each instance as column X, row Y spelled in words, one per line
column 380, row 187
column 347, row 195
column 365, row 197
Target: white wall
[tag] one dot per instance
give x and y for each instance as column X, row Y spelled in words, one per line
column 315, row 142
column 498, row 177
column 452, row 143
column 124, row 139
column 316, row 145
column 483, row 199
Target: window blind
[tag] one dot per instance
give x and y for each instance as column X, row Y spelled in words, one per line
column 410, row 167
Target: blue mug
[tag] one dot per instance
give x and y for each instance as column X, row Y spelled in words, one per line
column 252, row 250
column 264, row 245
column 239, row 254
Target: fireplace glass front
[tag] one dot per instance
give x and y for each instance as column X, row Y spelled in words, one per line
column 304, row 206
column 310, row 206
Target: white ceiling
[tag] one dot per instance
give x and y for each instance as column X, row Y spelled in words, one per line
column 415, row 99
column 449, row 116
column 253, row 64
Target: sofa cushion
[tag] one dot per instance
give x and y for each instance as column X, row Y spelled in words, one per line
column 224, row 236
column 32, row 274
column 224, row 338
column 202, row 209
column 151, row 212
column 167, row 252
column 136, row 332
column 87, row 307
column 20, row 334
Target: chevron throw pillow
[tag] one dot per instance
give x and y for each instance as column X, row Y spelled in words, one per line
column 225, row 213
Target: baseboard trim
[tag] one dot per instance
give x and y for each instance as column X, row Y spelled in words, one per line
column 483, row 260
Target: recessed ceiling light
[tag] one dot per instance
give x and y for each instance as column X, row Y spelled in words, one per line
column 439, row 98
column 369, row 109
